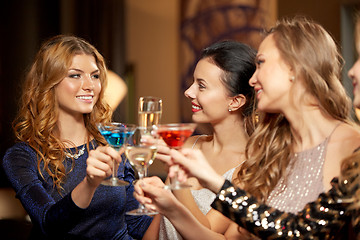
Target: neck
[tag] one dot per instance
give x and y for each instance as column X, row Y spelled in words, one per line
column 310, row 127
column 230, row 135
column 72, row 129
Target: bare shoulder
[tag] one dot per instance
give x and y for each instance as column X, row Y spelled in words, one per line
column 198, row 139
column 346, row 138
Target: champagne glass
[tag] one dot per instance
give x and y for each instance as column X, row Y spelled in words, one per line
column 141, row 156
column 175, row 134
column 116, row 134
column 149, row 109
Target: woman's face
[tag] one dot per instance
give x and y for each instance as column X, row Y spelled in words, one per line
column 209, row 98
column 78, row 92
column 354, row 74
column 272, row 78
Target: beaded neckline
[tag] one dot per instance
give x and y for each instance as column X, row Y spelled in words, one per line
column 75, row 155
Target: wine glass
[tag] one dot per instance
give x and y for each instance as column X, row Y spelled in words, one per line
column 141, row 155
column 175, row 134
column 116, row 134
column 149, row 109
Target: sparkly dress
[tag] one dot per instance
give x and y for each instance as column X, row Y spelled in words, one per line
column 302, row 181
column 324, row 218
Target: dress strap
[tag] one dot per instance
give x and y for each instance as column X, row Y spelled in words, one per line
column 197, row 140
column 335, row 128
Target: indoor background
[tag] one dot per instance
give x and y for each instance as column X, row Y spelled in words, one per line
column 152, row 44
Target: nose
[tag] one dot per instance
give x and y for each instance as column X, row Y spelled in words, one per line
column 88, row 83
column 189, row 93
column 253, row 79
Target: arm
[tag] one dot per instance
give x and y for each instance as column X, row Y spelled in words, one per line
column 162, row 200
column 324, row 216
column 46, row 207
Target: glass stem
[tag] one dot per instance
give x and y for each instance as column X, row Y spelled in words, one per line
column 114, row 169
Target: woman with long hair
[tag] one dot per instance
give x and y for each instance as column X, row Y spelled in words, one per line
column 61, row 158
column 304, row 129
column 222, row 98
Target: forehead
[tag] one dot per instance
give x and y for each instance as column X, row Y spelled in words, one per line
column 207, row 70
column 83, row 60
column 268, row 45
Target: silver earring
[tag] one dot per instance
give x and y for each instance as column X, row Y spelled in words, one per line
column 292, row 78
column 230, row 110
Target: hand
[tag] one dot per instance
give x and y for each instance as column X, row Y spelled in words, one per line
column 193, row 163
column 163, row 151
column 100, row 164
column 150, row 192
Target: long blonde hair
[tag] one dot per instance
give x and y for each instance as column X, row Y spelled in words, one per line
column 36, row 120
column 313, row 55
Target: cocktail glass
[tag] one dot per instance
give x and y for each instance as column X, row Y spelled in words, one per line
column 175, row 134
column 141, row 155
column 116, row 134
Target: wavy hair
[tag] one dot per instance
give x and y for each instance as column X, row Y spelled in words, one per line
column 314, row 57
column 36, row 121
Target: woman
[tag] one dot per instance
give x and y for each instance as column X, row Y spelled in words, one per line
column 60, row 160
column 304, row 129
column 323, row 218
column 220, row 95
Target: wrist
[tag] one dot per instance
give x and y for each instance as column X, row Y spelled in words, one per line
column 216, row 183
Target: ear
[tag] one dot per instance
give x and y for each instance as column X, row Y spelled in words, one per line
column 237, row 102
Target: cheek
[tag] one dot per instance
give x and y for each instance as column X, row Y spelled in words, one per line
column 97, row 87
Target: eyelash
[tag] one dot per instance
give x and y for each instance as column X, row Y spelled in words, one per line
column 259, row 62
column 96, row 76
column 201, row 86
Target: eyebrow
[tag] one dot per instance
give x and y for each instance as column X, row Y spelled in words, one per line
column 79, row 70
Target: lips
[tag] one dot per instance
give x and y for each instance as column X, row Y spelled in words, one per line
column 195, row 108
column 258, row 91
column 86, row 98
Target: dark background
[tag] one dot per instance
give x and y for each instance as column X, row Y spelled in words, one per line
column 25, row 24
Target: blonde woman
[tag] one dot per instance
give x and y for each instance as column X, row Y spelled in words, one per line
column 304, row 127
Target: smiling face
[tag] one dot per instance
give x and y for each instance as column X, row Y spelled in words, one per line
column 209, row 98
column 78, row 92
column 354, row 72
column 271, row 79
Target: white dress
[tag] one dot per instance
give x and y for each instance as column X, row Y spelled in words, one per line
column 203, row 198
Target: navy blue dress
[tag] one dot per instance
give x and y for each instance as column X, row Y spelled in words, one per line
column 56, row 216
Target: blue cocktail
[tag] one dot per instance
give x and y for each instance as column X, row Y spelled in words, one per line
column 116, row 134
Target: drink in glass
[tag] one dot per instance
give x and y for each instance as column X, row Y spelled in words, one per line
column 174, row 135
column 150, row 109
column 141, row 156
column 116, row 135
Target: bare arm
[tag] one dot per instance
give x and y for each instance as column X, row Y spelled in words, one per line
column 162, row 200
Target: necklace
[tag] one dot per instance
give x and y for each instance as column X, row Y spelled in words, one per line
column 76, row 155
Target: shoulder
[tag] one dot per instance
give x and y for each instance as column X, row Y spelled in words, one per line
column 19, row 150
column 346, row 137
column 196, row 139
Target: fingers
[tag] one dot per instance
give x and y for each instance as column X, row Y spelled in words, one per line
column 100, row 163
column 179, row 158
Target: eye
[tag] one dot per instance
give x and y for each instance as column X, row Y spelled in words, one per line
column 96, row 76
column 259, row 62
column 74, row 75
column 201, row 86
